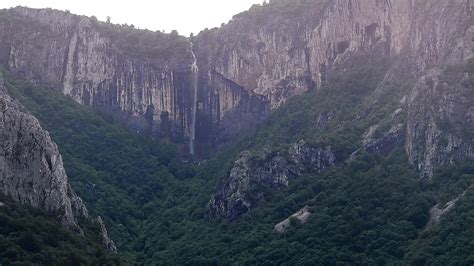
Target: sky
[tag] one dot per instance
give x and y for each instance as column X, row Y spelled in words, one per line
column 185, row 16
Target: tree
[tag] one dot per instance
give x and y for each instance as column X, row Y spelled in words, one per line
column 29, row 242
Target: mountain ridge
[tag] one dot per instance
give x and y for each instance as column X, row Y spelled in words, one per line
column 30, row 157
column 242, row 76
column 360, row 111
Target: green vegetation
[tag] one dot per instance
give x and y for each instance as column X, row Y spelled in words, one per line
column 370, row 210
column 32, row 237
column 277, row 14
column 338, row 114
column 452, row 242
column 117, row 173
column 145, row 43
column 169, row 48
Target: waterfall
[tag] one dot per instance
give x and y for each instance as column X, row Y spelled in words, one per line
column 194, row 84
column 68, row 83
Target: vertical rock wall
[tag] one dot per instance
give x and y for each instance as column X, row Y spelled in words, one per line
column 247, row 67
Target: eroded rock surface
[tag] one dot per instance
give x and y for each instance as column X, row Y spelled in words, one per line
column 31, row 167
column 438, row 211
column 301, row 215
column 280, row 54
column 230, row 199
column 32, row 170
column 439, row 119
column 250, row 65
column 109, row 244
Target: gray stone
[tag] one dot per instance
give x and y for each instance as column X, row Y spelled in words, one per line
column 105, row 237
column 31, row 168
column 273, row 170
column 438, row 211
column 282, row 56
column 301, row 215
column 439, row 128
column 247, row 67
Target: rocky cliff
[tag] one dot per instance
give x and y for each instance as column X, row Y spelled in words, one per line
column 143, row 78
column 439, row 119
column 252, row 64
column 32, row 170
column 31, row 167
column 300, row 216
column 94, row 63
column 270, row 169
column 433, row 120
column 288, row 47
column 276, row 56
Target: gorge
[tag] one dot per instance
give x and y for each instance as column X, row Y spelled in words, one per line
column 300, row 132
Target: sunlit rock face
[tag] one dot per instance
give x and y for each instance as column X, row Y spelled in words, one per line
column 246, row 68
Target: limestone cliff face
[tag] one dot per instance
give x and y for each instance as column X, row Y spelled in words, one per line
column 433, row 120
column 280, row 56
column 440, row 118
column 31, row 168
column 273, row 170
column 79, row 56
column 109, row 244
column 252, row 64
column 119, row 70
column 289, row 47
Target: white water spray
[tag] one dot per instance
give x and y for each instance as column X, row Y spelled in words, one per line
column 194, row 83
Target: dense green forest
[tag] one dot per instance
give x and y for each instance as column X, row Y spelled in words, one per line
column 31, row 237
column 370, row 210
column 144, row 43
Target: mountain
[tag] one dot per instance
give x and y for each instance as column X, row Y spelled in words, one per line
column 252, row 64
column 32, row 173
column 333, row 131
column 32, row 168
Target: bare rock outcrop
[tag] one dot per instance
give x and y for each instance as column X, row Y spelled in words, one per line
column 32, row 170
column 247, row 67
column 440, row 119
column 301, row 215
column 287, row 54
column 109, row 244
column 230, row 199
column 438, row 211
column 31, row 167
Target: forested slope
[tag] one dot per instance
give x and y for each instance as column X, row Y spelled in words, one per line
column 369, row 208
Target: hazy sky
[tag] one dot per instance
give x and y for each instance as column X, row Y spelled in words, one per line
column 185, row 16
